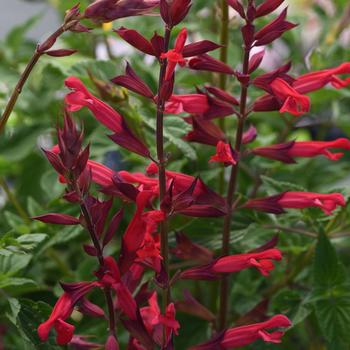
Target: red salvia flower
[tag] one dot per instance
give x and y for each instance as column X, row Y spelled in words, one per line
column 155, row 322
column 105, row 114
column 292, row 101
column 224, row 154
column 175, row 56
column 244, row 335
column 234, row 263
column 193, row 103
column 288, row 151
column 62, row 310
column 297, row 200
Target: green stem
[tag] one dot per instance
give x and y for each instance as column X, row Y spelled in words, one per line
column 224, row 288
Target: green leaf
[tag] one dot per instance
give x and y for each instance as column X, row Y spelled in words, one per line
column 280, row 186
column 10, row 265
column 328, row 271
column 29, row 317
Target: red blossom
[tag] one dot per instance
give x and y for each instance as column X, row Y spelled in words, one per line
column 235, row 263
column 193, row 103
column 244, row 335
column 105, row 114
column 224, row 154
column 288, row 151
column 297, row 200
column 174, row 56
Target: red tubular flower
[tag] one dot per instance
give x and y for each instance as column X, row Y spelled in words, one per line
column 175, row 56
column 224, row 154
column 245, row 335
column 297, row 200
column 234, row 263
column 292, row 101
column 193, row 103
column 155, row 322
column 288, row 151
column 105, row 114
column 62, row 310
column 109, row 10
column 316, row 80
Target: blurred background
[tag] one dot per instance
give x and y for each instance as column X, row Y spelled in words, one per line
column 34, row 256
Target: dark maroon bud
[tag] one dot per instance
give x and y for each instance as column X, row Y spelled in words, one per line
column 48, row 43
column 133, row 82
column 248, row 35
column 157, row 42
column 268, row 245
column 266, row 204
column 113, row 226
column 90, row 250
column 81, row 161
column 55, row 161
column 174, row 11
column 277, row 152
column 236, row 5
column 243, row 78
column 135, row 39
column 188, row 250
column 191, row 306
column 199, row 48
column 88, row 308
column 72, row 14
column 273, row 30
column 206, row 211
column 266, row 103
column 112, row 343
column 110, row 10
column 208, row 63
column 79, row 28
column 61, row 219
column 255, row 61
column 71, row 197
column 249, row 135
column 251, row 12
column 222, row 95
column 267, row 7
column 167, row 89
column 60, row 52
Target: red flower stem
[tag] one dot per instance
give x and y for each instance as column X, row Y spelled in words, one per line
column 224, row 288
column 91, row 229
column 164, row 249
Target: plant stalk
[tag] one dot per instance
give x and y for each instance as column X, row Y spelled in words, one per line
column 164, row 249
column 224, row 287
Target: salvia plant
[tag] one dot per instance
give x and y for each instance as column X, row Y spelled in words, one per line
column 141, row 266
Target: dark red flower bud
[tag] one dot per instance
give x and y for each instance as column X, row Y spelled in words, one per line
column 90, row 309
column 60, row 52
column 199, row 48
column 109, row 10
column 54, row 218
column 72, row 14
column 187, row 250
column 80, row 342
column 279, row 152
column 113, row 226
column 273, row 30
column 90, row 250
column 208, row 63
column 267, row 7
column 205, row 131
column 249, row 135
column 222, row 95
column 236, row 5
column 174, row 11
column 135, row 39
column 133, row 82
column 112, row 343
column 255, row 61
column 55, row 161
column 157, row 42
column 248, row 31
column 191, row 306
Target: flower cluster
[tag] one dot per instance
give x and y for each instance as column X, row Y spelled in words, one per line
column 159, row 194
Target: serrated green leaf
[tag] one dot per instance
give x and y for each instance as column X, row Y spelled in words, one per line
column 328, row 272
column 280, row 186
